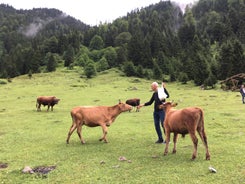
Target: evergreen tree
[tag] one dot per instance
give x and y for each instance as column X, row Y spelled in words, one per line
column 51, row 62
column 69, row 56
column 199, row 62
column 183, row 77
column 157, row 72
column 96, row 43
column 238, row 57
column 163, row 62
column 62, row 43
column 231, row 59
column 122, row 39
column 187, row 31
column 111, row 56
column 121, row 54
column 90, row 70
column 200, row 69
column 140, row 71
column 102, row 65
column 129, row 68
column 136, row 48
column 210, row 81
column 30, row 74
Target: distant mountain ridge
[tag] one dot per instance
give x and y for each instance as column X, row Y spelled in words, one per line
column 37, row 18
column 204, row 44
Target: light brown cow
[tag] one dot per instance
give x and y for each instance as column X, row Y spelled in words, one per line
column 94, row 116
column 46, row 100
column 184, row 121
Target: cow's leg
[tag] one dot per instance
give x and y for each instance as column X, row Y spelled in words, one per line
column 51, row 108
column 167, row 132
column 195, row 142
column 104, row 128
column 39, row 107
column 175, row 142
column 73, row 127
column 205, row 142
column 130, row 110
column 79, row 133
column 48, row 107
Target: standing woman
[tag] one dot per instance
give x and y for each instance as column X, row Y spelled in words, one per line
column 158, row 114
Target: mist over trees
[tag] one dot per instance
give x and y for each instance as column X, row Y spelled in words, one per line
column 205, row 44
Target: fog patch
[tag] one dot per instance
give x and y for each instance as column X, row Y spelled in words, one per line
column 38, row 24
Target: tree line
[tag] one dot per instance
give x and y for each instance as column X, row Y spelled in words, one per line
column 204, row 44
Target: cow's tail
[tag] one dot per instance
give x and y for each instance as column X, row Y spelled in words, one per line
column 73, row 118
column 201, row 119
column 202, row 133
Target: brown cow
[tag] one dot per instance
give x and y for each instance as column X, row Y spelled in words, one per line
column 184, row 121
column 93, row 116
column 46, row 100
column 135, row 102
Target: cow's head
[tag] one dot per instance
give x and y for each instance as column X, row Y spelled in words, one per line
column 124, row 107
column 56, row 100
column 167, row 104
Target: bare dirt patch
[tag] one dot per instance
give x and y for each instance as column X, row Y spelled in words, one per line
column 3, row 165
column 39, row 169
column 44, row 169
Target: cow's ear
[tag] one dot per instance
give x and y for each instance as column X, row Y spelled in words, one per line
column 119, row 101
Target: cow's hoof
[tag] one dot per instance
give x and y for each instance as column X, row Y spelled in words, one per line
column 174, row 151
column 207, row 157
column 193, row 157
column 165, row 154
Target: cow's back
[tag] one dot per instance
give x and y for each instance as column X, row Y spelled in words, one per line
column 186, row 114
column 45, row 98
column 90, row 115
column 180, row 120
column 133, row 102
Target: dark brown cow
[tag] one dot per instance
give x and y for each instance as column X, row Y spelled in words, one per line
column 184, row 121
column 135, row 102
column 93, row 116
column 50, row 101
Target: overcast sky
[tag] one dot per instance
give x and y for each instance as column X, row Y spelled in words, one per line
column 92, row 12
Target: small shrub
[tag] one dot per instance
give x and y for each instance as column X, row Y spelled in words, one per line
column 183, row 78
column 136, row 81
column 3, row 82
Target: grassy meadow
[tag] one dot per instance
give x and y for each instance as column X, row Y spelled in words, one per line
column 31, row 138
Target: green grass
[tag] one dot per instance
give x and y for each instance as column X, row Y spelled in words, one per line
column 31, row 138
